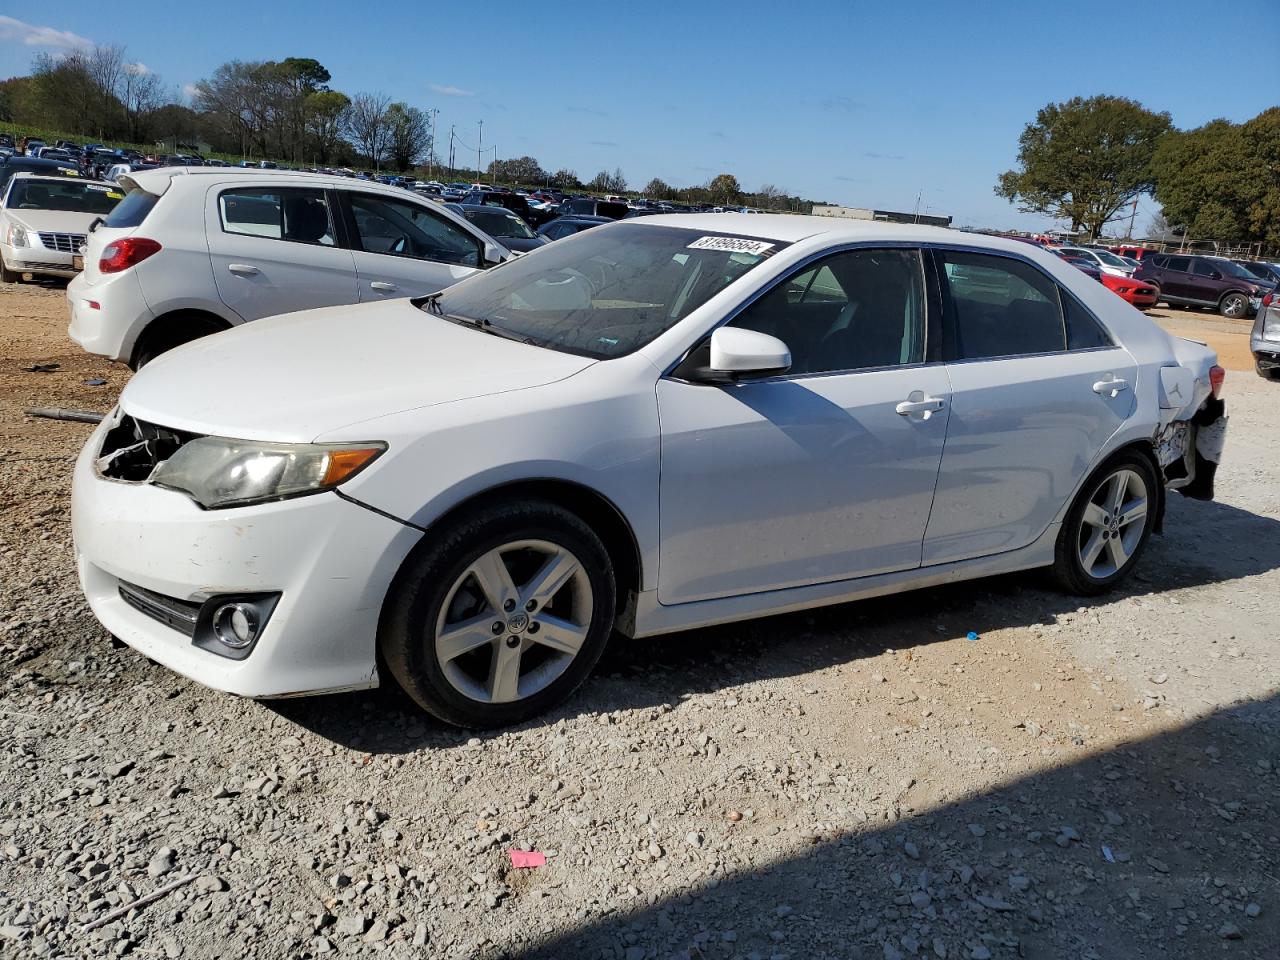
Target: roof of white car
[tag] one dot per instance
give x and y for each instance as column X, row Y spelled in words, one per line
column 790, row 228
column 159, row 179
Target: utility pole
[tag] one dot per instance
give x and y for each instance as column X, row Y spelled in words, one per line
column 493, row 176
column 479, row 162
column 451, row 150
column 431, row 150
column 919, row 197
column 1133, row 216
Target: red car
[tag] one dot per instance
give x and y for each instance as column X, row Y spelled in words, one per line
column 1137, row 292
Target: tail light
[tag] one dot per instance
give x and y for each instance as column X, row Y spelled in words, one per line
column 1269, row 299
column 125, row 253
column 1216, row 376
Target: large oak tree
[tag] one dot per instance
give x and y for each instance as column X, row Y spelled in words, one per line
column 1082, row 160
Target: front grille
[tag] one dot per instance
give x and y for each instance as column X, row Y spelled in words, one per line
column 63, row 242
column 181, row 615
column 132, row 449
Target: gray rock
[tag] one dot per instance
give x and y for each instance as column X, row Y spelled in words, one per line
column 351, row 924
column 1229, row 931
column 161, row 863
column 1252, row 910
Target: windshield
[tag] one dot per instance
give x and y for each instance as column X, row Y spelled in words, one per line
column 72, row 196
column 497, row 224
column 1110, row 259
column 1230, row 269
column 607, row 292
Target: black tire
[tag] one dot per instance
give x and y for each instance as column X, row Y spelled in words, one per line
column 1234, row 305
column 1068, row 568
column 406, row 639
column 7, row 275
column 175, row 331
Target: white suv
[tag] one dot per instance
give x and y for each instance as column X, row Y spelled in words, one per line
column 194, row 250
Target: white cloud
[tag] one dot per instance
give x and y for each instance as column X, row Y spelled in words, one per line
column 449, row 90
column 137, row 69
column 33, row 36
column 189, row 91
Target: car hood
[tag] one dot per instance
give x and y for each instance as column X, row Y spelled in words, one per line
column 51, row 221
column 301, row 375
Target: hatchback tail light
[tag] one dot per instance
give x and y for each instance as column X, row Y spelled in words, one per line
column 1269, row 299
column 125, row 253
column 1216, row 376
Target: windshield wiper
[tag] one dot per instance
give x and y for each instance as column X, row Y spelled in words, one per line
column 431, row 301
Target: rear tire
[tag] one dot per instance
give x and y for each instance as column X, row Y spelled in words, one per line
column 172, row 332
column 467, row 633
column 1108, row 526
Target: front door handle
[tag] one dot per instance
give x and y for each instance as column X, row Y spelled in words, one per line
column 917, row 402
column 1112, row 387
column 383, row 286
column 243, row 269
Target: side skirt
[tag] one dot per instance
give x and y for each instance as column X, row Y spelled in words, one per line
column 652, row 618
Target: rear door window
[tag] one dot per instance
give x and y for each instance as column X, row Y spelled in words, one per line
column 999, row 307
column 298, row 215
column 1180, row 264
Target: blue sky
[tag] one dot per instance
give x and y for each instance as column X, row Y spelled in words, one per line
column 864, row 104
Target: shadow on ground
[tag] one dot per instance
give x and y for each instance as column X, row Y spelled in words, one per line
column 1188, row 818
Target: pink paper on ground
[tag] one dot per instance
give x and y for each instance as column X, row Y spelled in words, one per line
column 527, row 858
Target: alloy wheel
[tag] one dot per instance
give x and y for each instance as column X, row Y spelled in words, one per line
column 1235, row 305
column 513, row 621
column 1112, row 524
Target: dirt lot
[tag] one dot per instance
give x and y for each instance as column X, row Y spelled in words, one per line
column 1096, row 780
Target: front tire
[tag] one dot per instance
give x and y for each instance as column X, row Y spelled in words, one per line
column 1234, row 306
column 7, row 275
column 501, row 616
column 1108, row 526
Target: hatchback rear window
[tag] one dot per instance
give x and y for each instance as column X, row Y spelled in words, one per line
column 132, row 210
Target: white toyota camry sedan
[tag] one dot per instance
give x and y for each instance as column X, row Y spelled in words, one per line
column 655, row 425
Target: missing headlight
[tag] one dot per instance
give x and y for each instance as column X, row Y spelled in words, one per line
column 132, row 449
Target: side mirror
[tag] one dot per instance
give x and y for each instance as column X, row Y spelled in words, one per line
column 494, row 255
column 733, row 354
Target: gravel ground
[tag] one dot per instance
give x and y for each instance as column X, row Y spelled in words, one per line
column 1086, row 781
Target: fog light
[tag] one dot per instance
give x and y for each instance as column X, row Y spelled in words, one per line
column 235, row 624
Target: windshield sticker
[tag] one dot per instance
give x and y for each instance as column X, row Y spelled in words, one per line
column 731, row 245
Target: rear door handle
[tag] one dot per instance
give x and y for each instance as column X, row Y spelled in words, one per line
column 243, row 269
column 1111, row 387
column 382, row 285
column 919, row 403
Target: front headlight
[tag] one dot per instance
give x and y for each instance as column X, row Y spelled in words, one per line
column 17, row 236
column 217, row 472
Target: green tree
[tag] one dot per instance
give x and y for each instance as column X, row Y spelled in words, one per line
column 409, row 135
column 659, row 188
column 1222, row 180
column 565, row 178
column 326, row 119
column 725, row 189
column 518, row 170
column 1082, row 160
